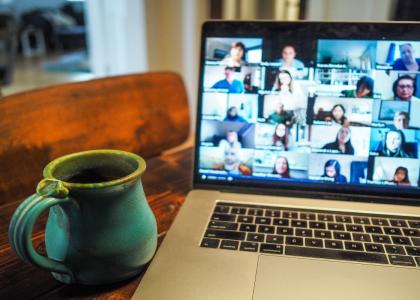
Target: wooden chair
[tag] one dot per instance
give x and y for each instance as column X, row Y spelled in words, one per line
column 141, row 113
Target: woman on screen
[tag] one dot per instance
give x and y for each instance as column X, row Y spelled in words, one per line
column 281, row 167
column 342, row 142
column 289, row 93
column 338, row 115
column 235, row 56
column 394, row 145
column 233, row 116
column 364, row 89
column 401, row 176
column 231, row 141
column 332, row 169
column 281, row 137
column 404, row 88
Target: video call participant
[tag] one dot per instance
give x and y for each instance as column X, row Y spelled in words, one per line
column 404, row 88
column 231, row 163
column 289, row 94
column 407, row 61
column 342, row 142
column 229, row 83
column 235, row 56
column 233, row 116
column 394, row 145
column 231, row 141
column 401, row 177
column 281, row 137
column 280, row 115
column 332, row 169
column 337, row 115
column 289, row 62
column 249, row 88
column 401, row 120
column 281, row 167
column 364, row 89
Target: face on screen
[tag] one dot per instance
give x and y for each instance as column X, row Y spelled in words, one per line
column 326, row 111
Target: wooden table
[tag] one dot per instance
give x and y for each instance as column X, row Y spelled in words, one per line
column 166, row 182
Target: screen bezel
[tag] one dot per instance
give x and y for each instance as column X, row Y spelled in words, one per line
column 326, row 30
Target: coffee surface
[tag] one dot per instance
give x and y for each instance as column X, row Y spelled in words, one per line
column 95, row 175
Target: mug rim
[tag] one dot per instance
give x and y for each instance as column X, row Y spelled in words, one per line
column 141, row 167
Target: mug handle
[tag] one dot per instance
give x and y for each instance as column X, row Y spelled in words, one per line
column 50, row 192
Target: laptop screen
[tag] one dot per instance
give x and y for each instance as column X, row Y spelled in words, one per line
column 332, row 107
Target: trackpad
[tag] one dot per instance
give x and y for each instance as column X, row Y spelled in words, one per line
column 301, row 278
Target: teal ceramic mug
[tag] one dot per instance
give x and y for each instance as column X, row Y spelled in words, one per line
column 100, row 228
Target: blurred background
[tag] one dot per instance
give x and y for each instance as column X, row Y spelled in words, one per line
column 46, row 42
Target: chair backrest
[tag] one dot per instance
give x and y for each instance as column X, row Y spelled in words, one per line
column 141, row 113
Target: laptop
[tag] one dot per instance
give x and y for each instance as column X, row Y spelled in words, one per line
column 306, row 173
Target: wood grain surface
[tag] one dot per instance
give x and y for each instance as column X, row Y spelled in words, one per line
column 166, row 182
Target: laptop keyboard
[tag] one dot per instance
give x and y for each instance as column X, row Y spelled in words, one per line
column 337, row 235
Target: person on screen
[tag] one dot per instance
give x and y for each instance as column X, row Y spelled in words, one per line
column 332, row 169
column 229, row 83
column 401, row 176
column 281, row 137
column 231, row 163
column 280, row 115
column 233, row 116
column 404, row 88
column 342, row 142
column 289, row 62
column 249, row 88
column 407, row 61
column 401, row 120
column 364, row 89
column 337, row 115
column 394, row 145
column 231, row 141
column 235, row 56
column 289, row 94
column 281, row 167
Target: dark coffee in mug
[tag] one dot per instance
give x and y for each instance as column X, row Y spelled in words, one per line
column 95, row 175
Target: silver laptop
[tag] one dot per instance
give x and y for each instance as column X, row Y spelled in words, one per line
column 306, row 174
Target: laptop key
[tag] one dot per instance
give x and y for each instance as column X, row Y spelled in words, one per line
column 401, row 260
column 416, row 241
column 373, row 229
column 266, row 229
column 230, row 245
column 354, row 228
column 299, row 223
column 325, row 218
column 313, row 243
column 291, row 240
column 281, row 222
column 384, row 239
column 303, row 232
column 336, row 254
column 238, row 210
column 343, row 219
column 245, row 219
column 413, row 251
column 210, row 243
column 335, row 226
column 307, row 216
column 356, row 246
column 249, row 246
column 285, row 230
column 361, row 220
column 260, row 220
column 222, row 234
column 322, row 234
column 361, row 237
column 333, row 244
column 290, row 215
column 274, row 239
column 341, row 235
column 392, row 231
column 271, row 248
column 248, row 227
column 272, row 213
column 255, row 212
column 222, row 209
column 380, row 222
column 255, row 237
column 374, row 248
column 393, row 249
column 411, row 232
column 414, row 224
column 400, row 240
column 223, row 217
column 398, row 223
column 223, row 225
column 317, row 225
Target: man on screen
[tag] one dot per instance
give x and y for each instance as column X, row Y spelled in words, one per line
column 229, row 83
column 408, row 61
